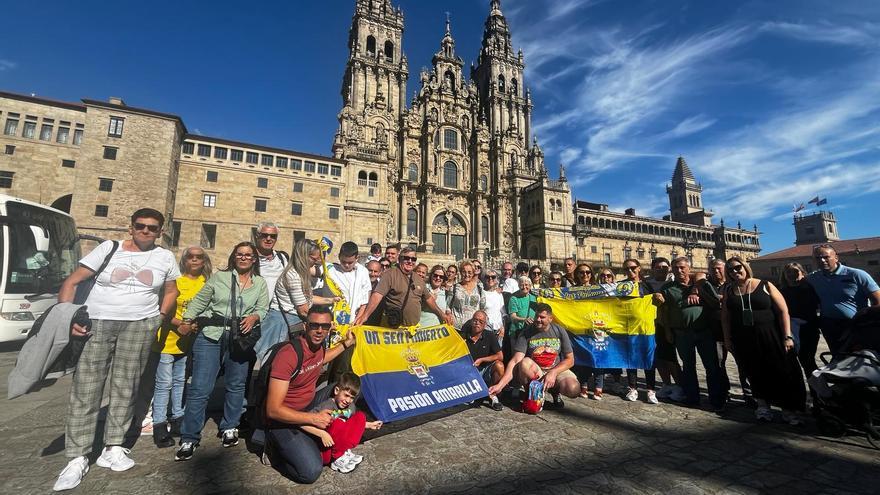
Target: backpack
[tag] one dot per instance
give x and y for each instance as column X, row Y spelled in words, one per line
column 284, row 257
column 261, row 387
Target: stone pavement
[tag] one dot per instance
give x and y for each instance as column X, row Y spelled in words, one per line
column 611, row 446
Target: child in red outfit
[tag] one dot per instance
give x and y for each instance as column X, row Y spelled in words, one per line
column 347, row 427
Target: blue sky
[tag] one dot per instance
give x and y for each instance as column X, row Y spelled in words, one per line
column 771, row 103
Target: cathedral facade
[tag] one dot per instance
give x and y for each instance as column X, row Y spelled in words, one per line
column 455, row 171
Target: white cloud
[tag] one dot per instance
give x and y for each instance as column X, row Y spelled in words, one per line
column 865, row 34
column 7, row 65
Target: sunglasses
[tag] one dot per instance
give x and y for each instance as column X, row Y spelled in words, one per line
column 735, row 268
column 441, row 276
column 316, row 326
column 606, row 275
column 244, row 256
column 632, row 267
column 386, row 265
column 266, row 235
column 491, row 277
column 141, row 226
column 196, row 256
column 583, row 272
column 536, row 273
column 412, row 259
column 554, row 279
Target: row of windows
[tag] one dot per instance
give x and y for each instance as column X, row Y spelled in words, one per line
column 47, row 129
column 208, row 238
column 641, row 228
column 263, row 183
column 209, row 200
column 221, row 153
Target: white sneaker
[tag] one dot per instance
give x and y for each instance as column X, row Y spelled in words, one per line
column 632, row 395
column 72, row 474
column 343, row 464
column 356, row 459
column 116, row 458
column 652, row 397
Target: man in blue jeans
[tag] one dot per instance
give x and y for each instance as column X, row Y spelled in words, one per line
column 292, row 451
column 689, row 324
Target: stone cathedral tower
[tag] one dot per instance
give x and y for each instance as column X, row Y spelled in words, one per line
column 454, row 173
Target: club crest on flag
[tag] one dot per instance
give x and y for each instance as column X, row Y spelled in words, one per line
column 416, row 367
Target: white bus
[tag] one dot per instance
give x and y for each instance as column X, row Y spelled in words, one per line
column 39, row 248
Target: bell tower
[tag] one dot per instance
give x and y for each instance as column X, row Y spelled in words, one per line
column 686, row 197
column 373, row 100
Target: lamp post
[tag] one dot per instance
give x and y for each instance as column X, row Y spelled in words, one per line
column 689, row 242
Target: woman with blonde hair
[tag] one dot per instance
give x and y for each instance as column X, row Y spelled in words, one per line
column 173, row 347
column 297, row 283
column 465, row 297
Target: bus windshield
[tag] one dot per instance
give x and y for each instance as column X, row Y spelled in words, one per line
column 43, row 249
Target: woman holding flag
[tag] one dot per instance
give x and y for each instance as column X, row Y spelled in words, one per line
column 297, row 283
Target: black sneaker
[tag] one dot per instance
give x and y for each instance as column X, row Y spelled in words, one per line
column 495, row 404
column 161, row 437
column 556, row 404
column 230, row 437
column 185, row 452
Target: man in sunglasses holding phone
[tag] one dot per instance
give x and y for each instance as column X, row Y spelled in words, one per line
column 272, row 263
column 404, row 294
column 125, row 312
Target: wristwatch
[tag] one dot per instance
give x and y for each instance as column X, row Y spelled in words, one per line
column 789, row 337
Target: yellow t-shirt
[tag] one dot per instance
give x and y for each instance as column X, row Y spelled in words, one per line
column 169, row 341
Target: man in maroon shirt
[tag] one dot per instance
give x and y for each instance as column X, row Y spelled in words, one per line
column 295, row 453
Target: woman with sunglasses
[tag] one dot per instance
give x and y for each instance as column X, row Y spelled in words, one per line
column 296, row 286
column 173, row 347
column 214, row 344
column 583, row 276
column 437, row 286
column 555, row 280
column 466, row 296
column 754, row 319
column 634, row 274
column 803, row 306
column 536, row 275
column 496, row 313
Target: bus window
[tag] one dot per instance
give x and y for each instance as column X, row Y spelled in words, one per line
column 43, row 249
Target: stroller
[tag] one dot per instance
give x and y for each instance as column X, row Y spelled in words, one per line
column 846, row 394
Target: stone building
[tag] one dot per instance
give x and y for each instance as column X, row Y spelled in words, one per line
column 97, row 160
column 607, row 238
column 455, row 172
column 815, row 228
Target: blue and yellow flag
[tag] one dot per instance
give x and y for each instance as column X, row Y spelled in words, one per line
column 410, row 371
column 607, row 331
column 341, row 308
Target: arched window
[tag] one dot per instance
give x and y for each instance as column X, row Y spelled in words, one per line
column 412, row 222
column 362, row 178
column 513, row 87
column 500, row 83
column 373, row 180
column 484, row 183
column 484, row 229
column 450, row 139
column 371, row 46
column 450, row 175
column 413, row 173
column 449, row 77
column 389, row 51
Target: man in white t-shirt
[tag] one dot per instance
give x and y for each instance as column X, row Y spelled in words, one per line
column 274, row 327
column 353, row 280
column 125, row 312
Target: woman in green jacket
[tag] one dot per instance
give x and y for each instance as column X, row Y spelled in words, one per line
column 214, row 346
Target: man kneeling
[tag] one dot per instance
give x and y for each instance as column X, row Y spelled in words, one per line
column 485, row 352
column 291, row 395
column 542, row 350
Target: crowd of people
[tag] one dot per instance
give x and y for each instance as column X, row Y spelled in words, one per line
column 267, row 309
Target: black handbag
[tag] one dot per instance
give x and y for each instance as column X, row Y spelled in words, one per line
column 238, row 340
